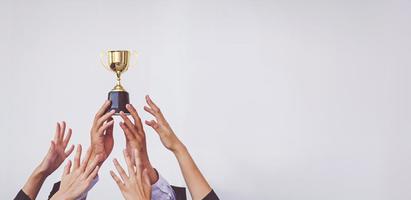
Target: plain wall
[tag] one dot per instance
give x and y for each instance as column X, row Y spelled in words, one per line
column 274, row 99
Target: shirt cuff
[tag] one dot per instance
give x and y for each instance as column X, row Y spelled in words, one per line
column 162, row 189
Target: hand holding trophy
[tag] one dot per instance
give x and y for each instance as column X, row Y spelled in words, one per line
column 118, row 61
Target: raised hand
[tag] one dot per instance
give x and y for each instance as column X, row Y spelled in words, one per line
column 101, row 133
column 57, row 152
column 196, row 183
column 136, row 139
column 54, row 158
column 75, row 181
column 136, row 185
column 161, row 126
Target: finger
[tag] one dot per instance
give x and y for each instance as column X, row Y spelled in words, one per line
column 105, row 127
column 120, row 170
column 57, row 133
column 128, row 122
column 62, row 130
column 93, row 174
column 153, row 124
column 92, row 166
column 136, row 117
column 102, row 109
column 77, row 157
column 67, row 168
column 109, row 130
column 120, row 183
column 69, row 151
column 84, row 162
column 130, row 167
column 67, row 138
column 157, row 114
column 104, row 118
column 151, row 103
column 149, row 110
column 129, row 135
column 52, row 147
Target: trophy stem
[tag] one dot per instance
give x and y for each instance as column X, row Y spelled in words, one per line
column 118, row 86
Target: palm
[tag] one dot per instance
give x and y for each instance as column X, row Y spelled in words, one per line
column 57, row 154
column 102, row 141
column 54, row 158
column 103, row 145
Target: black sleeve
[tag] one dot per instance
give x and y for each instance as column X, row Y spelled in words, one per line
column 22, row 196
column 211, row 196
column 56, row 188
column 180, row 192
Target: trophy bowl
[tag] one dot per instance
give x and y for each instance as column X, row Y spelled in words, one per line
column 118, row 60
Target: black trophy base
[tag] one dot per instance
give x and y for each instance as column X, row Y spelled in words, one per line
column 119, row 100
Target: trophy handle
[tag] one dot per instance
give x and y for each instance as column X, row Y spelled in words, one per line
column 103, row 55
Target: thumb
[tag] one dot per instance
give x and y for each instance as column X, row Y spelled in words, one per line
column 52, row 147
column 153, row 124
column 109, row 130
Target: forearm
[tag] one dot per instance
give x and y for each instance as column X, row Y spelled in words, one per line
column 152, row 174
column 196, row 183
column 34, row 183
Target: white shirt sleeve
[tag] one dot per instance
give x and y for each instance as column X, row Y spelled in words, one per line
column 83, row 195
column 162, row 190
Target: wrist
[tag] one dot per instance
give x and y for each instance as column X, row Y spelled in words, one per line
column 150, row 170
column 95, row 153
column 152, row 174
column 61, row 196
column 40, row 173
column 179, row 149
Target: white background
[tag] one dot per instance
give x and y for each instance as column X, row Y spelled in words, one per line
column 274, row 99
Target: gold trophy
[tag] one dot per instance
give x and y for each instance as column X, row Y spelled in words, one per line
column 118, row 61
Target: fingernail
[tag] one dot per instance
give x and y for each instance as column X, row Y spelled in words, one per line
column 128, row 106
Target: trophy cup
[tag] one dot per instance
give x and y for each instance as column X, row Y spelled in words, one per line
column 118, row 62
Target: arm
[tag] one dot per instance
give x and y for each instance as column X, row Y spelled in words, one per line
column 196, row 183
column 102, row 143
column 53, row 159
column 136, row 139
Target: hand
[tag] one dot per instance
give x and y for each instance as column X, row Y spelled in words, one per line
column 75, row 182
column 56, row 154
column 102, row 140
column 136, row 139
column 161, row 126
column 135, row 186
column 53, row 159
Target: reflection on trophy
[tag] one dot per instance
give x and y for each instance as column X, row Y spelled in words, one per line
column 118, row 62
